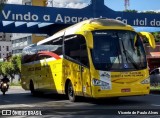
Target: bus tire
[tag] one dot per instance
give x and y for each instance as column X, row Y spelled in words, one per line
column 70, row 92
column 31, row 86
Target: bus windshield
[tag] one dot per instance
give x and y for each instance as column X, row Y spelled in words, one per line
column 117, row 50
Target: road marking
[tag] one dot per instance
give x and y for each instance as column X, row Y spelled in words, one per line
column 15, row 106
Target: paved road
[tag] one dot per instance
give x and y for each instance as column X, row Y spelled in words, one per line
column 52, row 104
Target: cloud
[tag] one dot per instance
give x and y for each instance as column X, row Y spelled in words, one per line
column 69, row 3
column 14, row 2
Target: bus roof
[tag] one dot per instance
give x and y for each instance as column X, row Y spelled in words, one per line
column 72, row 29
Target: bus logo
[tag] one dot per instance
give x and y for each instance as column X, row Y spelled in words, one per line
column 125, row 66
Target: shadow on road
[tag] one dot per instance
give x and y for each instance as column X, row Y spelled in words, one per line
column 27, row 98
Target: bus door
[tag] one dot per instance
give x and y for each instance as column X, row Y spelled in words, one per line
column 85, row 72
column 76, row 53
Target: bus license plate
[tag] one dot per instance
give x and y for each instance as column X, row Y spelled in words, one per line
column 126, row 90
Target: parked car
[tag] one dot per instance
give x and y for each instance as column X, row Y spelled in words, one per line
column 155, row 77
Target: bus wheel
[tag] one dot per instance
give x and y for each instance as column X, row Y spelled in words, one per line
column 32, row 88
column 70, row 92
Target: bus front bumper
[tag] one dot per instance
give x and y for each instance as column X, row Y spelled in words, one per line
column 97, row 92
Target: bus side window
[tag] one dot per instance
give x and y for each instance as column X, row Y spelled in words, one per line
column 84, row 55
column 56, row 45
column 75, row 48
column 53, row 46
column 29, row 58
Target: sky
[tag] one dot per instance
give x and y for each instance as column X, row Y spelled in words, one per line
column 117, row 5
column 139, row 5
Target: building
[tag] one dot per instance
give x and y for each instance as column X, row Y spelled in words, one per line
column 19, row 41
column 5, row 45
column 153, row 55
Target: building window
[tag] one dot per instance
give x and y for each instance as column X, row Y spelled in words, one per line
column 7, row 48
column 0, row 48
column 0, row 55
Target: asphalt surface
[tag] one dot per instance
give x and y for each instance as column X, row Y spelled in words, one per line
column 20, row 101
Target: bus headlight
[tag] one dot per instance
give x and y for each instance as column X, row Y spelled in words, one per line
column 97, row 82
column 146, row 81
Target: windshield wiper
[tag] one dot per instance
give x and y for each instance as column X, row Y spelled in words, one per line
column 128, row 57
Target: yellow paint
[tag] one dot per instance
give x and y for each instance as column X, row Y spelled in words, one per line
column 39, row 2
column 36, row 38
column 150, row 38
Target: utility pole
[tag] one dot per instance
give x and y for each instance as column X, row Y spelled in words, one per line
column 126, row 4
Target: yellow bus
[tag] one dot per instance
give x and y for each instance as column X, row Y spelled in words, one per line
column 96, row 58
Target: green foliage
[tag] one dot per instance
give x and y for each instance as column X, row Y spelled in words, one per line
column 157, row 87
column 1, row 63
column 16, row 63
column 150, row 12
column 11, row 67
column 156, row 35
column 133, row 11
column 7, row 69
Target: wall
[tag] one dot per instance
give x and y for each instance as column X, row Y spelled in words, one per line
column 3, row 48
column 39, row 2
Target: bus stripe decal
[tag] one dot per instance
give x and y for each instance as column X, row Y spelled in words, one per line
column 50, row 54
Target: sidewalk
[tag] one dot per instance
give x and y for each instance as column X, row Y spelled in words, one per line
column 15, row 87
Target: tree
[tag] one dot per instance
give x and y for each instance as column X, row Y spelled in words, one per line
column 16, row 62
column 11, row 67
column 8, row 69
column 1, row 73
column 133, row 11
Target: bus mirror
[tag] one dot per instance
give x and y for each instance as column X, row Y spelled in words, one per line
column 89, row 39
column 150, row 38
